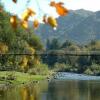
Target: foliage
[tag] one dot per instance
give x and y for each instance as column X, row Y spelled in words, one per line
column 59, row 61
column 53, row 44
column 20, row 42
column 41, row 69
column 88, row 72
column 62, row 67
column 60, row 9
column 95, row 68
column 3, row 48
column 14, row 39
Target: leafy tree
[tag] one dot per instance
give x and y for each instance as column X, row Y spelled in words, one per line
column 66, row 44
column 55, row 44
column 18, row 41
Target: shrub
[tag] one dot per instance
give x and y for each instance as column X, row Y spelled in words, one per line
column 74, row 69
column 61, row 67
column 95, row 68
column 88, row 72
column 41, row 69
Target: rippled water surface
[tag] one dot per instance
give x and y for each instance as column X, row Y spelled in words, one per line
column 59, row 89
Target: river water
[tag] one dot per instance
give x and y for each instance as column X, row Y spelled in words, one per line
column 63, row 88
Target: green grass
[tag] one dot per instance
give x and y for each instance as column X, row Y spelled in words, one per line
column 20, row 77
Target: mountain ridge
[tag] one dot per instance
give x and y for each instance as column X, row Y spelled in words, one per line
column 80, row 26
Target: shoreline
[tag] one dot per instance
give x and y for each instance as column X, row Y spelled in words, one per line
column 16, row 78
column 22, row 78
column 75, row 76
column 25, row 78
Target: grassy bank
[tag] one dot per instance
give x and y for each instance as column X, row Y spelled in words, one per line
column 13, row 77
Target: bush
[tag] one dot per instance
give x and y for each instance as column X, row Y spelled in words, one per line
column 88, row 72
column 41, row 69
column 74, row 69
column 95, row 68
column 61, row 67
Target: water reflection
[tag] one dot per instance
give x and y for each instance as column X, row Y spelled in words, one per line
column 74, row 90
column 55, row 90
column 2, row 94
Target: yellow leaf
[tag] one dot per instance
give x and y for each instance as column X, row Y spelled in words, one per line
column 36, row 23
column 27, row 14
column 30, row 12
column 24, row 24
column 52, row 21
column 13, row 21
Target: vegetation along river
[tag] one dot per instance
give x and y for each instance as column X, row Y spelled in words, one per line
column 64, row 86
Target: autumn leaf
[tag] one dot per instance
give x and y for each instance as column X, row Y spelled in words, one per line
column 13, row 21
column 29, row 12
column 36, row 23
column 15, row 1
column 62, row 11
column 25, row 16
column 52, row 21
column 24, row 24
column 44, row 19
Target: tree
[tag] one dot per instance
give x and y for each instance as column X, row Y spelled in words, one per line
column 48, row 44
column 55, row 44
column 17, row 41
column 66, row 44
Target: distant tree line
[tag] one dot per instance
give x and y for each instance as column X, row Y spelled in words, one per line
column 79, row 64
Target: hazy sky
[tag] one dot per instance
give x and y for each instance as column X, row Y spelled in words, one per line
column 93, row 5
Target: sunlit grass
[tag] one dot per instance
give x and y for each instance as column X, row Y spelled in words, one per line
column 19, row 77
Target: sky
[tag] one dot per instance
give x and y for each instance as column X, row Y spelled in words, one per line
column 42, row 6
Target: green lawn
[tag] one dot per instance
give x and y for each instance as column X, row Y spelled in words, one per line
column 19, row 77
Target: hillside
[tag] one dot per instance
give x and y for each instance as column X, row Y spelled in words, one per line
column 80, row 26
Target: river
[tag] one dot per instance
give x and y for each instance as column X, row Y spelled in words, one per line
column 67, row 86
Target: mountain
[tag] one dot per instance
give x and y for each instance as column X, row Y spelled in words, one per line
column 80, row 26
column 88, row 29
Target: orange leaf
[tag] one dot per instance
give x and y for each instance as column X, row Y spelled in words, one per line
column 62, row 11
column 36, row 24
column 15, row 1
column 13, row 21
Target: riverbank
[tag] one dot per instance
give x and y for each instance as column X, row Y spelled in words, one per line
column 13, row 77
